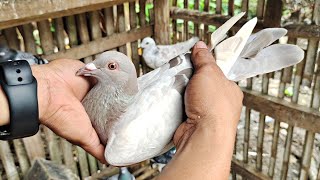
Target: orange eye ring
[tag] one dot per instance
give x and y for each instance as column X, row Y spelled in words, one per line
column 112, row 66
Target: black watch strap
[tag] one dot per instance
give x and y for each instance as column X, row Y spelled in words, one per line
column 20, row 87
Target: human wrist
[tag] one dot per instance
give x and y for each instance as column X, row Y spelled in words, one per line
column 42, row 88
column 5, row 114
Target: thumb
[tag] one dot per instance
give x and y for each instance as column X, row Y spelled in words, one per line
column 201, row 56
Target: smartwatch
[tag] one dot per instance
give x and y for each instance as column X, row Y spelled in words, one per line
column 20, row 87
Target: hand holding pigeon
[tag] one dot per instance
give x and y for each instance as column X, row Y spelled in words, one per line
column 136, row 118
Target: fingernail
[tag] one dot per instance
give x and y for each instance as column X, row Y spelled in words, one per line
column 201, row 45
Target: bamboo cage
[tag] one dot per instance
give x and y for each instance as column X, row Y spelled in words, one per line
column 278, row 135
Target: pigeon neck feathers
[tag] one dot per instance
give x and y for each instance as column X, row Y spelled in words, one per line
column 104, row 109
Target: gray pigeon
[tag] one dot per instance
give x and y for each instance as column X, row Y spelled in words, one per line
column 157, row 55
column 136, row 117
column 124, row 174
column 7, row 54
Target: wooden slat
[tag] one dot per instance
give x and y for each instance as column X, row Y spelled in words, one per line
column 231, row 7
column 21, row 155
column 7, row 161
column 68, row 156
column 310, row 62
column 309, row 141
column 162, row 22
column 21, row 12
column 83, row 162
column 316, row 12
column 305, row 31
column 206, row 17
column 286, row 153
column 260, row 8
column 12, row 38
column 103, row 44
column 29, row 42
column 71, row 29
column 273, row 12
column 185, row 22
column 218, row 6
column 247, row 171
column 32, row 150
column 53, row 146
column 46, row 37
column 59, row 33
column 196, row 25
column 293, row 114
column 174, row 25
column 134, row 45
column 83, row 32
column 121, row 25
column 265, row 83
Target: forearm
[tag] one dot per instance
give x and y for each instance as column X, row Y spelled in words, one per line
column 206, row 154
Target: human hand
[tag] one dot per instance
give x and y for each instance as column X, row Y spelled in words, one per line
column 205, row 140
column 59, row 94
column 210, row 98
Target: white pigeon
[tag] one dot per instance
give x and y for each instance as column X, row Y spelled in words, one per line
column 157, row 55
column 136, row 117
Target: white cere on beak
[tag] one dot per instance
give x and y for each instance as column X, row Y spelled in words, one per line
column 91, row 66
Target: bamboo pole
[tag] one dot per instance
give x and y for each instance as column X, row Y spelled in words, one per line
column 218, row 6
column 21, row 155
column 33, row 151
column 53, row 146
column 185, row 22
column 174, row 25
column 310, row 62
column 134, row 45
column 94, row 26
column 29, row 41
column 46, row 38
column 308, row 146
column 265, row 83
column 162, row 19
column 8, row 161
column 71, row 29
column 294, row 99
column 142, row 18
column 83, row 162
column 83, row 32
column 12, row 38
column 276, row 131
column 206, row 36
column 121, row 25
column 59, row 33
column 196, row 25
column 260, row 9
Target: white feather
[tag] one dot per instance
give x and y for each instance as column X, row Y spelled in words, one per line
column 232, row 47
column 269, row 59
column 260, row 40
column 221, row 33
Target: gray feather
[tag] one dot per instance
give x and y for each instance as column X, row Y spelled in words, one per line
column 272, row 58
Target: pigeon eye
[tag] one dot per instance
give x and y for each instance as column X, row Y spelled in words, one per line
column 147, row 42
column 112, row 66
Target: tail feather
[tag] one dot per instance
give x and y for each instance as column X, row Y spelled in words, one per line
column 221, row 33
column 272, row 58
column 260, row 40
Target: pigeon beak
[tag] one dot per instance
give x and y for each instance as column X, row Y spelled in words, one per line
column 140, row 51
column 86, row 70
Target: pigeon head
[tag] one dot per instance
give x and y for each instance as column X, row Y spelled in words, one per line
column 147, row 42
column 112, row 69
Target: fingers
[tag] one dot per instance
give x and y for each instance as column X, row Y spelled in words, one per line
column 203, row 60
column 93, row 146
column 201, row 55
